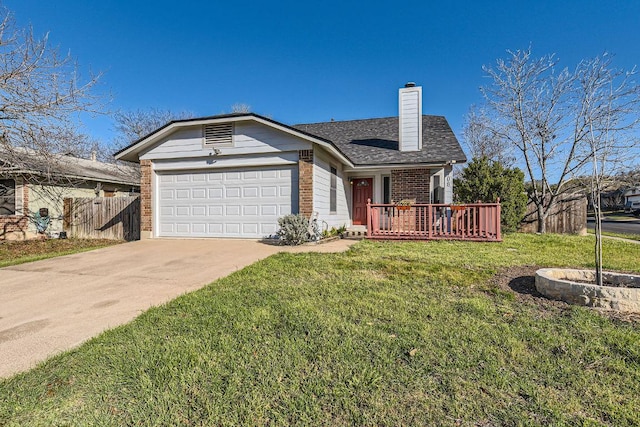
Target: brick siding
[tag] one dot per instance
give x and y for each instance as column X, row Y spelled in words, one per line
column 305, row 182
column 410, row 184
column 146, row 223
column 16, row 226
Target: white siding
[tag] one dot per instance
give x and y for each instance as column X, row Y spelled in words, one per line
column 448, row 184
column 322, row 162
column 410, row 106
column 248, row 138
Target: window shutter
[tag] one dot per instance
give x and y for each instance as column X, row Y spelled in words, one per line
column 219, row 133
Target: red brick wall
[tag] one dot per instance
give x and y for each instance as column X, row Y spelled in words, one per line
column 410, row 184
column 15, row 226
column 305, row 182
column 146, row 223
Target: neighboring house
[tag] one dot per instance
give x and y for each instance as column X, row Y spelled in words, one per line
column 234, row 175
column 631, row 195
column 30, row 181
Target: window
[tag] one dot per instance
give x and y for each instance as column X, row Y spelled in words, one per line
column 333, row 190
column 386, row 189
column 7, row 197
column 218, row 134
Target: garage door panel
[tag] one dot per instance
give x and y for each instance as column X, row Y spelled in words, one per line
column 199, row 228
column 232, row 192
column 268, row 229
column 215, row 211
column 269, row 191
column 232, row 210
column 250, row 192
column 250, row 228
column 250, row 210
column 269, row 210
column 232, row 228
column 199, row 211
column 250, row 175
column 214, row 229
column 184, row 211
column 199, row 193
column 215, row 193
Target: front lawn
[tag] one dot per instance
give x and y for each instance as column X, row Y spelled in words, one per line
column 19, row 252
column 440, row 333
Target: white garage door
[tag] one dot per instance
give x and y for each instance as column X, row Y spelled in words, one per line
column 226, row 203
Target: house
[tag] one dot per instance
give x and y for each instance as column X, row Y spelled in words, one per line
column 30, row 181
column 234, row 175
column 631, row 195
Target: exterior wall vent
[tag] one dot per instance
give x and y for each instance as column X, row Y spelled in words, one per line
column 410, row 109
column 218, row 134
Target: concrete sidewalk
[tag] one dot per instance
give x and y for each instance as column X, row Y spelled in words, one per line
column 53, row 305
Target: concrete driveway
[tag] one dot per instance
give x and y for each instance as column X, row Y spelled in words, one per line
column 53, row 305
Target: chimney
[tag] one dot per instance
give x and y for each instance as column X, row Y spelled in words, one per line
column 410, row 106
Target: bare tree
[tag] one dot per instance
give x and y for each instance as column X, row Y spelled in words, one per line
column 42, row 101
column 609, row 103
column 478, row 135
column 546, row 116
column 41, row 94
column 133, row 125
column 240, row 107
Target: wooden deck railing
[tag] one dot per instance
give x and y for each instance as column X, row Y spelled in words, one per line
column 476, row 221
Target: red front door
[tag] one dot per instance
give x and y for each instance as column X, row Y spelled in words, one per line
column 362, row 191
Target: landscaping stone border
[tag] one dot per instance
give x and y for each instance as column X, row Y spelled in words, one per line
column 565, row 285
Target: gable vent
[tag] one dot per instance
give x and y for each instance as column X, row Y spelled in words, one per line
column 219, row 133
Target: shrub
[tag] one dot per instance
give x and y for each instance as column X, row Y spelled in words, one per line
column 486, row 180
column 294, row 229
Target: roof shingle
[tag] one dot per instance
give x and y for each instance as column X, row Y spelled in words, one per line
column 375, row 141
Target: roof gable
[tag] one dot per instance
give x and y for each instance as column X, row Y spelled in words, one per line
column 131, row 152
column 368, row 142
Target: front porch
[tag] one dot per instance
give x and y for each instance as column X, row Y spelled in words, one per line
column 477, row 222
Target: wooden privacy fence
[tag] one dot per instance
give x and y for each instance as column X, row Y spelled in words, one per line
column 103, row 217
column 568, row 216
column 475, row 221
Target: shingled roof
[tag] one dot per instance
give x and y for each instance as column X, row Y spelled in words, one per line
column 21, row 161
column 375, row 141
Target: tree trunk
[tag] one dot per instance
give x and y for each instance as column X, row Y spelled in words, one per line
column 597, row 212
column 542, row 226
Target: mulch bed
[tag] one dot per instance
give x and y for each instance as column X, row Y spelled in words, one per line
column 520, row 280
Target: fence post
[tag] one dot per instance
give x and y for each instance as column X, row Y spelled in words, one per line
column 67, row 215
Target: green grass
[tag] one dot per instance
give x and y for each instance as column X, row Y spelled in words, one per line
column 19, row 252
column 384, row 334
column 621, row 235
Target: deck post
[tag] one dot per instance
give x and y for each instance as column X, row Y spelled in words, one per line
column 369, row 227
column 499, row 209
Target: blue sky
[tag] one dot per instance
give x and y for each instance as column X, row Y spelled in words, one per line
column 301, row 62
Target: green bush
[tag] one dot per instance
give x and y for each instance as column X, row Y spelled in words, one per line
column 486, row 180
column 294, row 229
